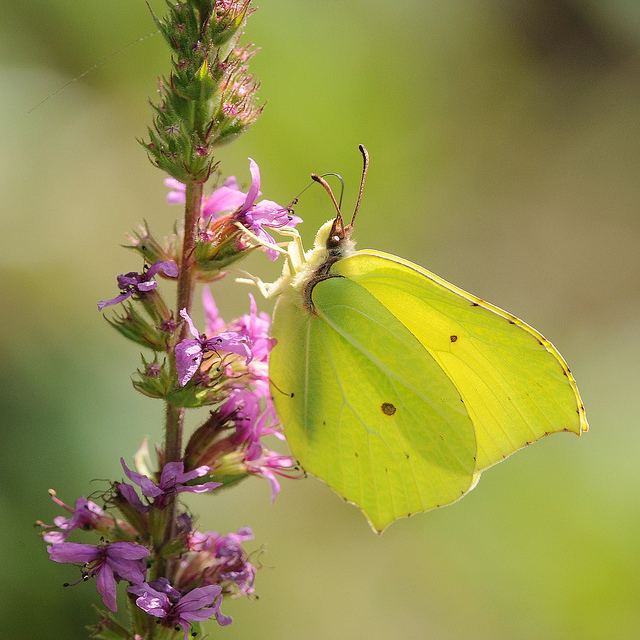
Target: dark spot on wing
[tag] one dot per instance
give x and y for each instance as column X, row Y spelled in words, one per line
column 406, row 455
column 453, row 338
column 356, row 454
column 388, row 409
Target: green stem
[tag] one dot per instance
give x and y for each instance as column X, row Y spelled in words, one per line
column 175, row 415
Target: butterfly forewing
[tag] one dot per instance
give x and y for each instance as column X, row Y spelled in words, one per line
column 514, row 383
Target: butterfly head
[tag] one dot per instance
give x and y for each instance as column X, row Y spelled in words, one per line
column 339, row 242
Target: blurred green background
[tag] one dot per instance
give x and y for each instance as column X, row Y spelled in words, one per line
column 505, row 146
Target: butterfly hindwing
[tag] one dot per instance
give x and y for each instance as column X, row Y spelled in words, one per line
column 372, row 413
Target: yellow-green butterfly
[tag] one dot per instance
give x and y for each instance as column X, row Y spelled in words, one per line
column 397, row 388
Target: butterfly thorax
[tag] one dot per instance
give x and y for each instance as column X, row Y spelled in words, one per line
column 332, row 243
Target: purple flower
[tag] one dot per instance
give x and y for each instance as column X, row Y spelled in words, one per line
column 172, row 481
column 220, row 560
column 254, row 216
column 263, row 462
column 225, row 198
column 265, row 213
column 189, row 353
column 177, row 193
column 121, row 559
column 251, row 419
column 161, row 600
column 256, row 326
column 85, row 514
column 139, row 283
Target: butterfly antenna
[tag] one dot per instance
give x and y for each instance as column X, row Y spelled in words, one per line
column 337, row 175
column 327, row 188
column 365, row 168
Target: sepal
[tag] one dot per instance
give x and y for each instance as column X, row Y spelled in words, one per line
column 208, row 444
column 230, row 469
column 108, row 627
column 140, row 329
column 173, row 549
column 154, row 379
column 193, row 394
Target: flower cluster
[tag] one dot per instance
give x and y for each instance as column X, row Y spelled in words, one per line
column 225, row 367
column 175, row 575
column 210, row 565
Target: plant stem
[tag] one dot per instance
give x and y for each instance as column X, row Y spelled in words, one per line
column 175, row 415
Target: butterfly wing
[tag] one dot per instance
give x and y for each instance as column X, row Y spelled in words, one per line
column 515, row 385
column 365, row 407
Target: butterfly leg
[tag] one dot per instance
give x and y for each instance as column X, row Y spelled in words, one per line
column 263, row 287
column 296, row 250
column 260, row 241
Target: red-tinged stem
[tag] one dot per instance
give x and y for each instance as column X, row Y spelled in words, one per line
column 175, row 415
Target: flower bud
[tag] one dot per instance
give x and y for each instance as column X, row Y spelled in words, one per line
column 208, row 444
column 151, row 249
column 154, row 379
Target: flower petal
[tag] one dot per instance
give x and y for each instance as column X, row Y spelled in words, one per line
column 232, row 341
column 192, row 327
column 168, row 267
column 149, row 488
column 188, row 358
column 106, row 585
column 199, row 488
column 177, row 193
column 223, row 199
column 121, row 298
column 127, row 551
column 74, row 552
column 254, row 190
column 198, row 598
column 130, row 495
column 215, row 323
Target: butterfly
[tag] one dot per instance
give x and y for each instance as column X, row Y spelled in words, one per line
column 398, row 388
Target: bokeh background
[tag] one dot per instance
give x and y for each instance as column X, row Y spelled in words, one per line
column 505, row 145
